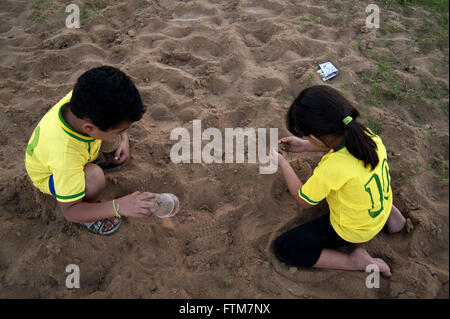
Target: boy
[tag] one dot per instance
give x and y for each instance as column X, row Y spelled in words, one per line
column 61, row 151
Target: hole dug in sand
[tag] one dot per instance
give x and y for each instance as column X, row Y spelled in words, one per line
column 272, row 193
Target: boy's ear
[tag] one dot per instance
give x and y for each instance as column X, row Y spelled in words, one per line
column 89, row 127
column 317, row 141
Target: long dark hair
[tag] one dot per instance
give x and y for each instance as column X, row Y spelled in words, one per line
column 319, row 110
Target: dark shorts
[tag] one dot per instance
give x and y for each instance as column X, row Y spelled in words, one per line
column 303, row 245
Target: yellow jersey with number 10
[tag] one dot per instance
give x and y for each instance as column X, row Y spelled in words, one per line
column 360, row 200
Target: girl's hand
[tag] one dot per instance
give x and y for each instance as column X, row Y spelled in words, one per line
column 293, row 144
column 276, row 158
column 135, row 205
column 123, row 151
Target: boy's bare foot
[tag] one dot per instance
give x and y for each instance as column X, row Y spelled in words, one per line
column 361, row 259
column 396, row 222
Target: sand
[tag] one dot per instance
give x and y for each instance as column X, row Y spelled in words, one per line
column 230, row 64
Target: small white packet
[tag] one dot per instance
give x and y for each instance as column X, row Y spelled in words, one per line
column 327, row 71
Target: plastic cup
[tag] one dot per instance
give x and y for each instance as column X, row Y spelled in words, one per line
column 109, row 147
column 166, row 205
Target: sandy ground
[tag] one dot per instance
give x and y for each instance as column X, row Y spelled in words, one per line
column 230, row 64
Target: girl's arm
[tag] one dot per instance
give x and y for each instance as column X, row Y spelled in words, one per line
column 292, row 181
column 295, row 144
column 310, row 147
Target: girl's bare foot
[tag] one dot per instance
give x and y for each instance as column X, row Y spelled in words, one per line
column 396, row 222
column 384, row 268
column 362, row 259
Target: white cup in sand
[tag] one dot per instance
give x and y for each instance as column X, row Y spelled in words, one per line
column 166, row 205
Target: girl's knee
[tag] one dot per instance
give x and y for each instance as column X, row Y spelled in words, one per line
column 282, row 249
column 279, row 246
column 293, row 254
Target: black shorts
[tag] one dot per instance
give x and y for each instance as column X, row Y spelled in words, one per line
column 303, row 245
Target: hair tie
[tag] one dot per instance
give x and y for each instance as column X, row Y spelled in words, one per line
column 347, row 120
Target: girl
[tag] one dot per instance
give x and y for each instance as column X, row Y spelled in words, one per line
column 353, row 177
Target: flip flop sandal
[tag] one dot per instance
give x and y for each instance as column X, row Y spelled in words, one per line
column 97, row 227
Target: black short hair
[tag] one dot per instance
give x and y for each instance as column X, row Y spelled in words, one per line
column 106, row 96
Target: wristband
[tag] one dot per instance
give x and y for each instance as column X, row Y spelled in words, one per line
column 116, row 211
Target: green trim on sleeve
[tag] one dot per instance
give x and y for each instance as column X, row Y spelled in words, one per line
column 306, row 198
column 71, row 196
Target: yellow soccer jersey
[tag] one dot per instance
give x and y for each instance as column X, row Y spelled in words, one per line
column 56, row 155
column 360, row 200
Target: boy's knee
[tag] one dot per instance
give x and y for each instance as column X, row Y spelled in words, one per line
column 94, row 179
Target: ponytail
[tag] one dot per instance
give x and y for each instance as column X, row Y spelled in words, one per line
column 322, row 110
column 360, row 144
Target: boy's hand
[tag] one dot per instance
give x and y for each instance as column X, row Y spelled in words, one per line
column 293, row 144
column 123, row 151
column 276, row 158
column 135, row 205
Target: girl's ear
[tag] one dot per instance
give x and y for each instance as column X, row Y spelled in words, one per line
column 318, row 141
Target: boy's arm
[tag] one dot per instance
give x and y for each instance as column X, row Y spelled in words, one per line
column 123, row 151
column 293, row 183
column 133, row 205
column 84, row 212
